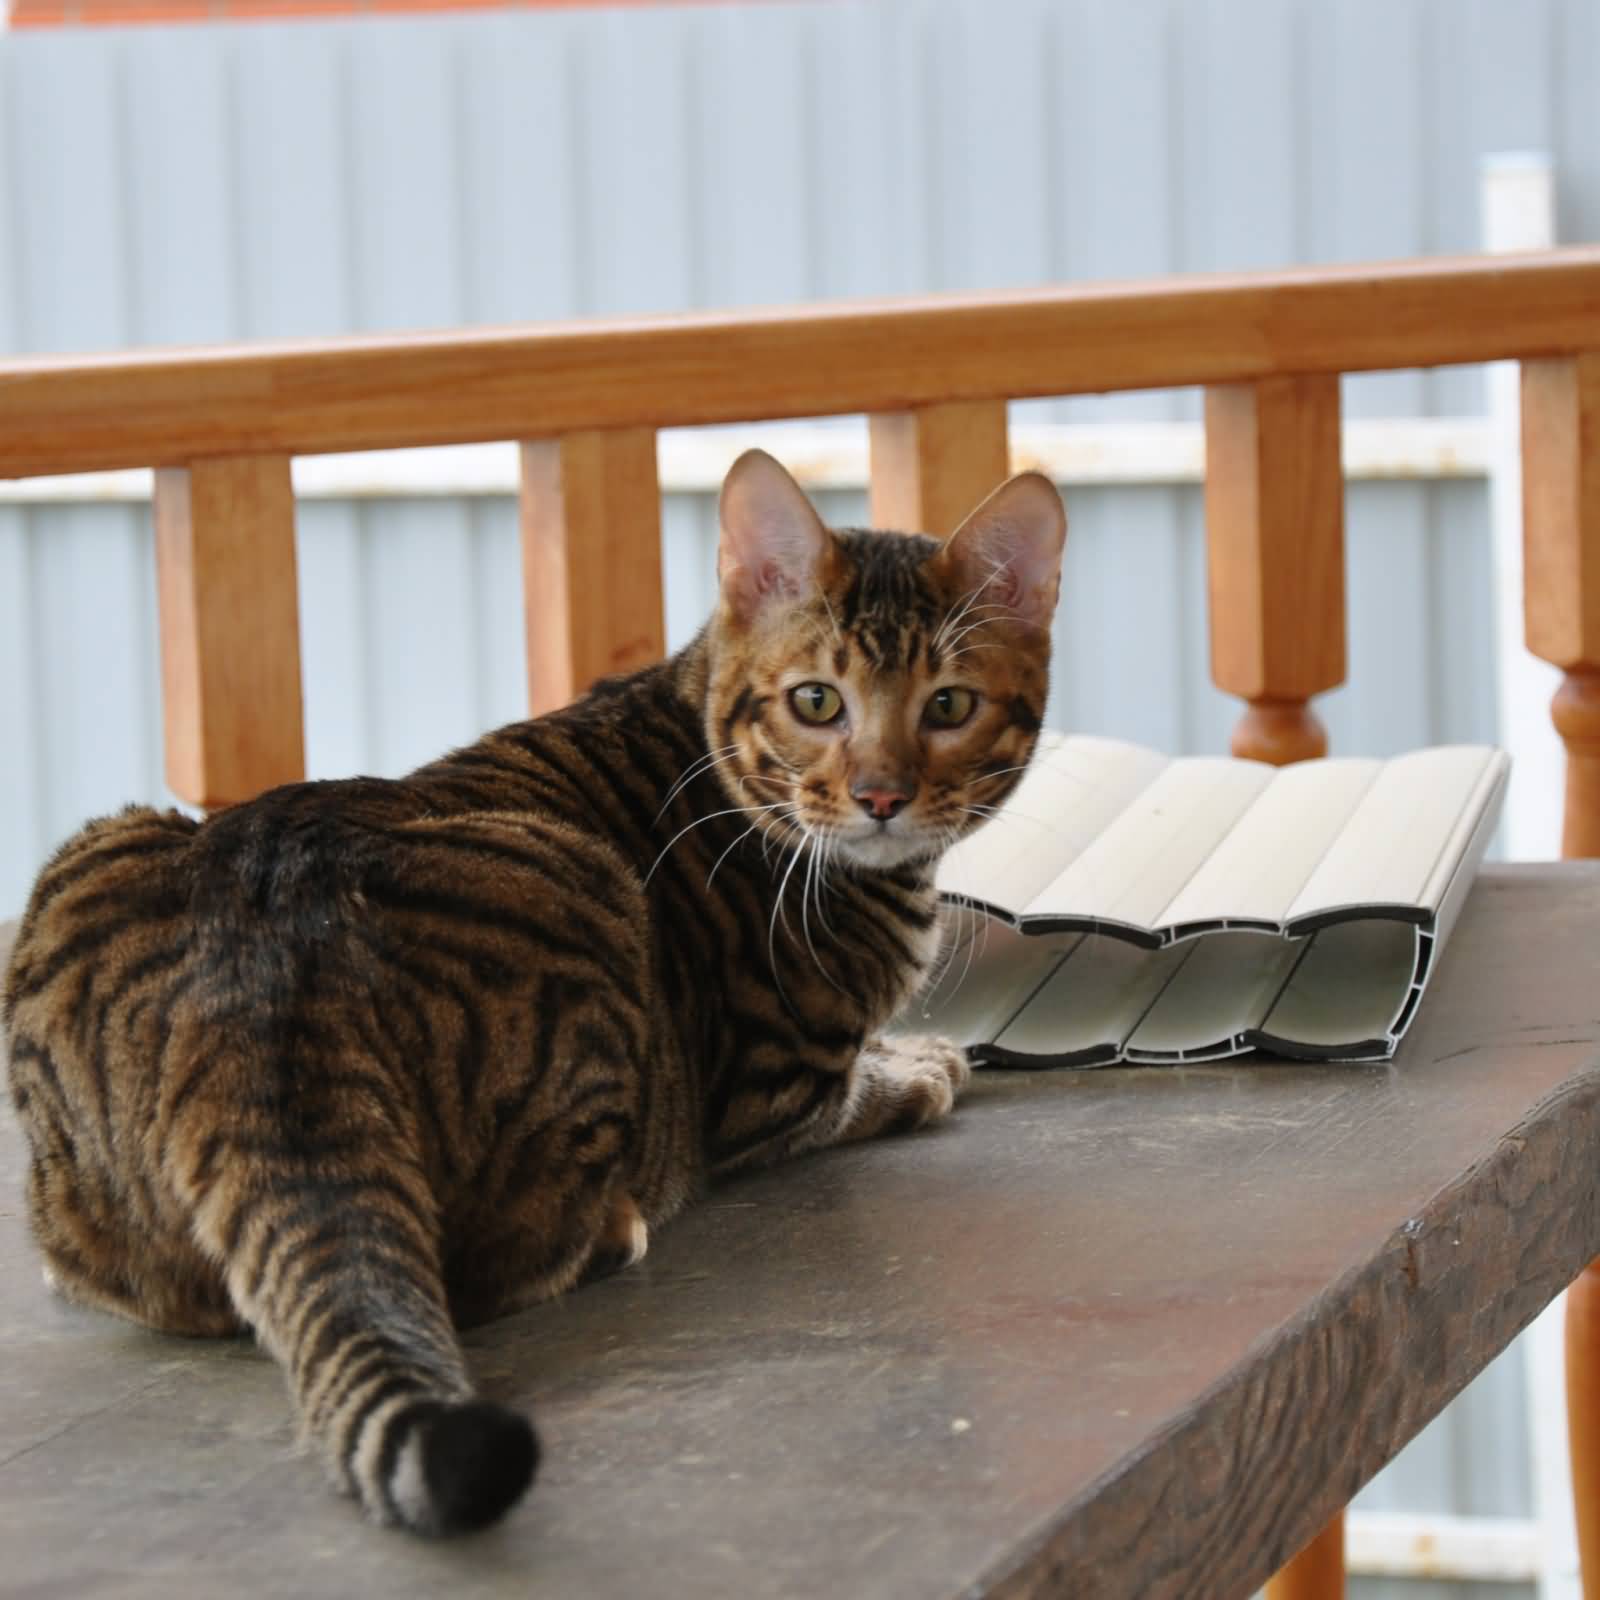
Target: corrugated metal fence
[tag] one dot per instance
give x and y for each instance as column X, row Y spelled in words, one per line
column 180, row 186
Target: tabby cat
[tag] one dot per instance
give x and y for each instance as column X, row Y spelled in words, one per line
column 358, row 1062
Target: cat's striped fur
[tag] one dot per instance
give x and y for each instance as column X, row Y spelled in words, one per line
column 361, row 1061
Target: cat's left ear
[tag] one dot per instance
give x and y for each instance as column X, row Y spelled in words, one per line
column 774, row 548
column 1010, row 548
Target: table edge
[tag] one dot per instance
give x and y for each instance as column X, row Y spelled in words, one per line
column 1221, row 1474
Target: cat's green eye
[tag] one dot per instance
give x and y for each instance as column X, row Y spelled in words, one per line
column 816, row 702
column 949, row 708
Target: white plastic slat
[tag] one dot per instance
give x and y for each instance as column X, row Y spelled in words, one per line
column 1228, row 984
column 1400, row 829
column 1133, row 870
column 1349, row 987
column 1076, row 791
column 1095, row 999
column 1301, row 812
column 986, row 973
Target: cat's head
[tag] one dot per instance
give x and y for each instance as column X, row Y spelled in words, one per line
column 881, row 690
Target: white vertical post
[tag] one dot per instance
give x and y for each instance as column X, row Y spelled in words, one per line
column 1519, row 214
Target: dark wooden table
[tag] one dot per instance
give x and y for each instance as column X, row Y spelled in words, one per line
column 1130, row 1333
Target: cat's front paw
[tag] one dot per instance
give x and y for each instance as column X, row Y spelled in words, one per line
column 917, row 1078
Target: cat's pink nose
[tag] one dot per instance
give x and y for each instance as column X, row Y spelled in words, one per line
column 881, row 804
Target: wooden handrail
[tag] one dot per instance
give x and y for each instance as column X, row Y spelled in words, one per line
column 170, row 408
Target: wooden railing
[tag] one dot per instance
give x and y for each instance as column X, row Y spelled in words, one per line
column 934, row 377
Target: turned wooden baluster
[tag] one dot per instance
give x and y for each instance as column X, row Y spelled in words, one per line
column 1275, row 547
column 1317, row 1572
column 1561, row 597
column 931, row 466
column 230, row 628
column 591, row 560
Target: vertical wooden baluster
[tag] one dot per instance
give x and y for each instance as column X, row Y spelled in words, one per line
column 230, row 628
column 1583, row 1419
column 1561, row 597
column 591, row 560
column 1317, row 1573
column 1275, row 543
column 1275, row 547
column 1561, row 561
column 931, row 466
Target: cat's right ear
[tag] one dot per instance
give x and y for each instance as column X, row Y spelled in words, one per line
column 774, row 548
column 1009, row 549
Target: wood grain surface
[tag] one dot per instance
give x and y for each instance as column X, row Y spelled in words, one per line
column 591, row 561
column 1274, row 497
column 931, row 466
column 1131, row 1332
column 166, row 408
column 1317, row 1572
column 1561, row 508
column 1561, row 566
column 231, row 694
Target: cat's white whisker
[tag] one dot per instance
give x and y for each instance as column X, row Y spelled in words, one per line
column 826, row 844
column 754, row 827
column 966, row 604
column 963, row 938
column 805, row 911
column 833, row 621
column 957, row 648
column 946, row 956
column 779, row 840
column 772, row 924
column 700, row 822
column 710, row 759
column 997, row 814
column 972, row 942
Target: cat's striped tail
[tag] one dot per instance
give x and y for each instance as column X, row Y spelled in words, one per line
column 339, row 1275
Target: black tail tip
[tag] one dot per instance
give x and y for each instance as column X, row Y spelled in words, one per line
column 478, row 1460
